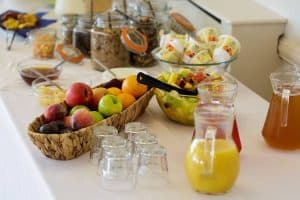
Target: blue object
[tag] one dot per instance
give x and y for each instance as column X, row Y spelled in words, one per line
column 41, row 23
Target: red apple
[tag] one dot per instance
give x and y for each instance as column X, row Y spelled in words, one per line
column 79, row 94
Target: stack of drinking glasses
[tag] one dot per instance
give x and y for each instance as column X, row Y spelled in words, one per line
column 124, row 162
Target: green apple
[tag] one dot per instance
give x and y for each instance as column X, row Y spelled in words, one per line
column 97, row 117
column 109, row 105
column 77, row 108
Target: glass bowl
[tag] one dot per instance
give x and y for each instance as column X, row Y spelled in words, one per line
column 31, row 69
column 180, row 108
column 47, row 93
column 213, row 66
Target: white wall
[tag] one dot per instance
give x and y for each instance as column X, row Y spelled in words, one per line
column 289, row 9
column 289, row 47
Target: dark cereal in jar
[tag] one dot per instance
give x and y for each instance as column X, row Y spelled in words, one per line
column 148, row 27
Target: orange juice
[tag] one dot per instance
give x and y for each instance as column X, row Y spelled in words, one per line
column 225, row 168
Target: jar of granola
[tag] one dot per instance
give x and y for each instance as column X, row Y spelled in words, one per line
column 106, row 44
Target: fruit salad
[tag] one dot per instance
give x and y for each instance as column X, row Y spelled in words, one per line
column 180, row 108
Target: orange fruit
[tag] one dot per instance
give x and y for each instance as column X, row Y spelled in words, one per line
column 114, row 91
column 98, row 93
column 126, row 99
column 132, row 86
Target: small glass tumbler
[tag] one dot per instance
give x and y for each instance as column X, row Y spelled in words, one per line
column 99, row 133
column 117, row 170
column 113, row 142
column 153, row 166
column 141, row 140
column 134, row 128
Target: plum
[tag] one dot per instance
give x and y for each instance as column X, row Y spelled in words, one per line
column 113, row 83
column 81, row 118
column 52, row 127
column 55, row 112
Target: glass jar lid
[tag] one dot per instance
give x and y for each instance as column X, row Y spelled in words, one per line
column 134, row 40
column 69, row 53
column 85, row 21
column 69, row 19
column 183, row 21
column 150, row 7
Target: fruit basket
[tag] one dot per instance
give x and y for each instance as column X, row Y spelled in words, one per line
column 69, row 145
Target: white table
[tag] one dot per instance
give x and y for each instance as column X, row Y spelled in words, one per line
column 25, row 173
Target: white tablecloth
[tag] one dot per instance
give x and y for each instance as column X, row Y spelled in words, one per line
column 25, row 173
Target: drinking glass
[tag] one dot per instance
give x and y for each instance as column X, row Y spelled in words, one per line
column 141, row 140
column 113, row 142
column 135, row 128
column 117, row 170
column 152, row 166
column 99, row 133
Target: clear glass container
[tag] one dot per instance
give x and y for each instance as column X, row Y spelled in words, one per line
column 281, row 127
column 212, row 160
column 159, row 9
column 99, row 133
column 147, row 25
column 114, row 142
column 134, row 128
column 117, row 170
column 67, row 26
column 106, row 44
column 43, row 43
column 82, row 34
column 141, row 141
column 153, row 167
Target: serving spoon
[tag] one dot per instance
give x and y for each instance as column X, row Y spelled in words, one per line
column 153, row 82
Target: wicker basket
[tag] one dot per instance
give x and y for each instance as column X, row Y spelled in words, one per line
column 67, row 146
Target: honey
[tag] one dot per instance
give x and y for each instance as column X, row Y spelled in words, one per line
column 29, row 75
column 276, row 135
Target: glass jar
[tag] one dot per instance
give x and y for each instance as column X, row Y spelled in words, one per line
column 158, row 9
column 148, row 26
column 82, row 34
column 43, row 43
column 67, row 26
column 106, row 44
